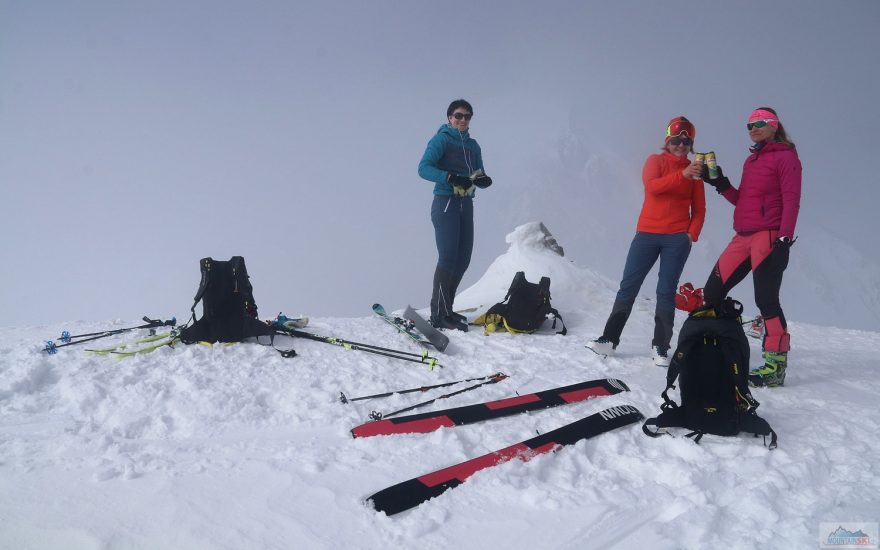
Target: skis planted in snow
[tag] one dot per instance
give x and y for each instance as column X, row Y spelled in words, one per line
column 437, row 338
column 469, row 414
column 409, row 494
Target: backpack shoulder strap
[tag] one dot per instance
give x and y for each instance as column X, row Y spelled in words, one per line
column 556, row 316
column 205, row 265
column 518, row 279
column 544, row 287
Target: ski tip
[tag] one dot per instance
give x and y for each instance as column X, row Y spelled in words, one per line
column 619, row 384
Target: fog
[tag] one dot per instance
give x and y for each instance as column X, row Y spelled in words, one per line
column 139, row 137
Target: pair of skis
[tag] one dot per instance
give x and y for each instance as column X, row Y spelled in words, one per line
column 411, row 493
column 138, row 347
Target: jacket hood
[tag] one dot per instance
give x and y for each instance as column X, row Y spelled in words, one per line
column 449, row 130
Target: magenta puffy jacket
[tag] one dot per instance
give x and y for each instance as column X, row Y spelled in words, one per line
column 769, row 195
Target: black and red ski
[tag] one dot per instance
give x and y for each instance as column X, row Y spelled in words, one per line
column 410, row 494
column 430, row 421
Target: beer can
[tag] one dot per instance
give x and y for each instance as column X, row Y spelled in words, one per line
column 699, row 158
column 712, row 165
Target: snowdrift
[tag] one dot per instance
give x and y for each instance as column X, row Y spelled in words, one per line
column 534, row 250
column 236, row 447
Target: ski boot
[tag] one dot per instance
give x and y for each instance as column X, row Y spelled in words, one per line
column 448, row 322
column 772, row 374
column 660, row 356
column 602, row 346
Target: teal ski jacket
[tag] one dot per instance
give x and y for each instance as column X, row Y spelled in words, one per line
column 449, row 151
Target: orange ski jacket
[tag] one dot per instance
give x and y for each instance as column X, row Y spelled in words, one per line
column 673, row 203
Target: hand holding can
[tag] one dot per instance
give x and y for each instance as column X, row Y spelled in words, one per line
column 696, row 168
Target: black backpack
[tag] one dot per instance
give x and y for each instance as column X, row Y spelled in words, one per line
column 229, row 313
column 524, row 309
column 711, row 364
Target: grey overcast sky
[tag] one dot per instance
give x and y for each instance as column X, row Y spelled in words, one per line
column 137, row 137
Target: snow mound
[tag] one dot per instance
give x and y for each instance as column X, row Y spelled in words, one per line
column 535, row 251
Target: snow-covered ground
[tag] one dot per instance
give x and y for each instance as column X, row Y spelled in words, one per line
column 236, row 447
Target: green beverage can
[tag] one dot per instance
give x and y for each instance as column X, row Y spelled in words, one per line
column 699, row 158
column 712, row 165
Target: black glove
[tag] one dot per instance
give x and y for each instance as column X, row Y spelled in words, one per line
column 459, row 181
column 784, row 243
column 461, row 185
column 720, row 183
column 482, row 181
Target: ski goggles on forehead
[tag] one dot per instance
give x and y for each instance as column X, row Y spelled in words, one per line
column 758, row 124
column 678, row 140
column 680, row 127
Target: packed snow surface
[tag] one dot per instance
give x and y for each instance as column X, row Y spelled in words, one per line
column 234, row 446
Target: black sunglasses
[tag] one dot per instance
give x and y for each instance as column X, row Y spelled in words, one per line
column 459, row 116
column 681, row 141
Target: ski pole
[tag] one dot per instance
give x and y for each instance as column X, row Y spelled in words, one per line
column 423, row 357
column 344, row 342
column 345, row 399
column 151, row 323
column 376, row 415
column 290, row 331
column 51, row 347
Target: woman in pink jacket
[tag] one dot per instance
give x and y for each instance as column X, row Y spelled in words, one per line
column 766, row 210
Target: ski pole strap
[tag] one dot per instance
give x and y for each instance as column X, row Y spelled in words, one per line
column 154, row 323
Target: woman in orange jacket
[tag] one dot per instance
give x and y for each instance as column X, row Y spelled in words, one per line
column 670, row 221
